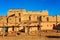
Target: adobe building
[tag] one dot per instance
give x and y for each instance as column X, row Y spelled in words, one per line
column 20, row 18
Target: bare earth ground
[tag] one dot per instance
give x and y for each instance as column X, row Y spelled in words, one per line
column 31, row 37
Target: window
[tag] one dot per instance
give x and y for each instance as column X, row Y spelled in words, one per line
column 43, row 16
column 51, row 25
column 13, row 28
column 30, row 17
column 47, row 19
column 19, row 19
column 47, row 25
column 7, row 20
column 19, row 14
column 10, row 18
column 40, row 18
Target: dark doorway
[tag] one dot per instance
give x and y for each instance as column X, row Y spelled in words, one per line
column 6, row 29
column 12, row 28
column 40, row 18
column 38, row 27
column 57, row 27
column 22, row 30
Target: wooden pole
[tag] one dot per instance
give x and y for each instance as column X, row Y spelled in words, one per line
column 56, row 21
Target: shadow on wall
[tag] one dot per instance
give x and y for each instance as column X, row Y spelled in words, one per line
column 53, row 36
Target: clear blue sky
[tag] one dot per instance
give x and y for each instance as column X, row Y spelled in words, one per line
column 53, row 6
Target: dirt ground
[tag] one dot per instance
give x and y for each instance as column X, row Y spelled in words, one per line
column 24, row 36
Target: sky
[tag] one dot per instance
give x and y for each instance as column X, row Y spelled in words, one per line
column 53, row 6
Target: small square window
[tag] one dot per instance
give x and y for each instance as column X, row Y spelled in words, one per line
column 47, row 19
column 50, row 25
column 19, row 14
column 47, row 25
column 43, row 16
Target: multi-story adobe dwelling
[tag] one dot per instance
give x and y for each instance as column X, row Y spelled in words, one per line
column 17, row 19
